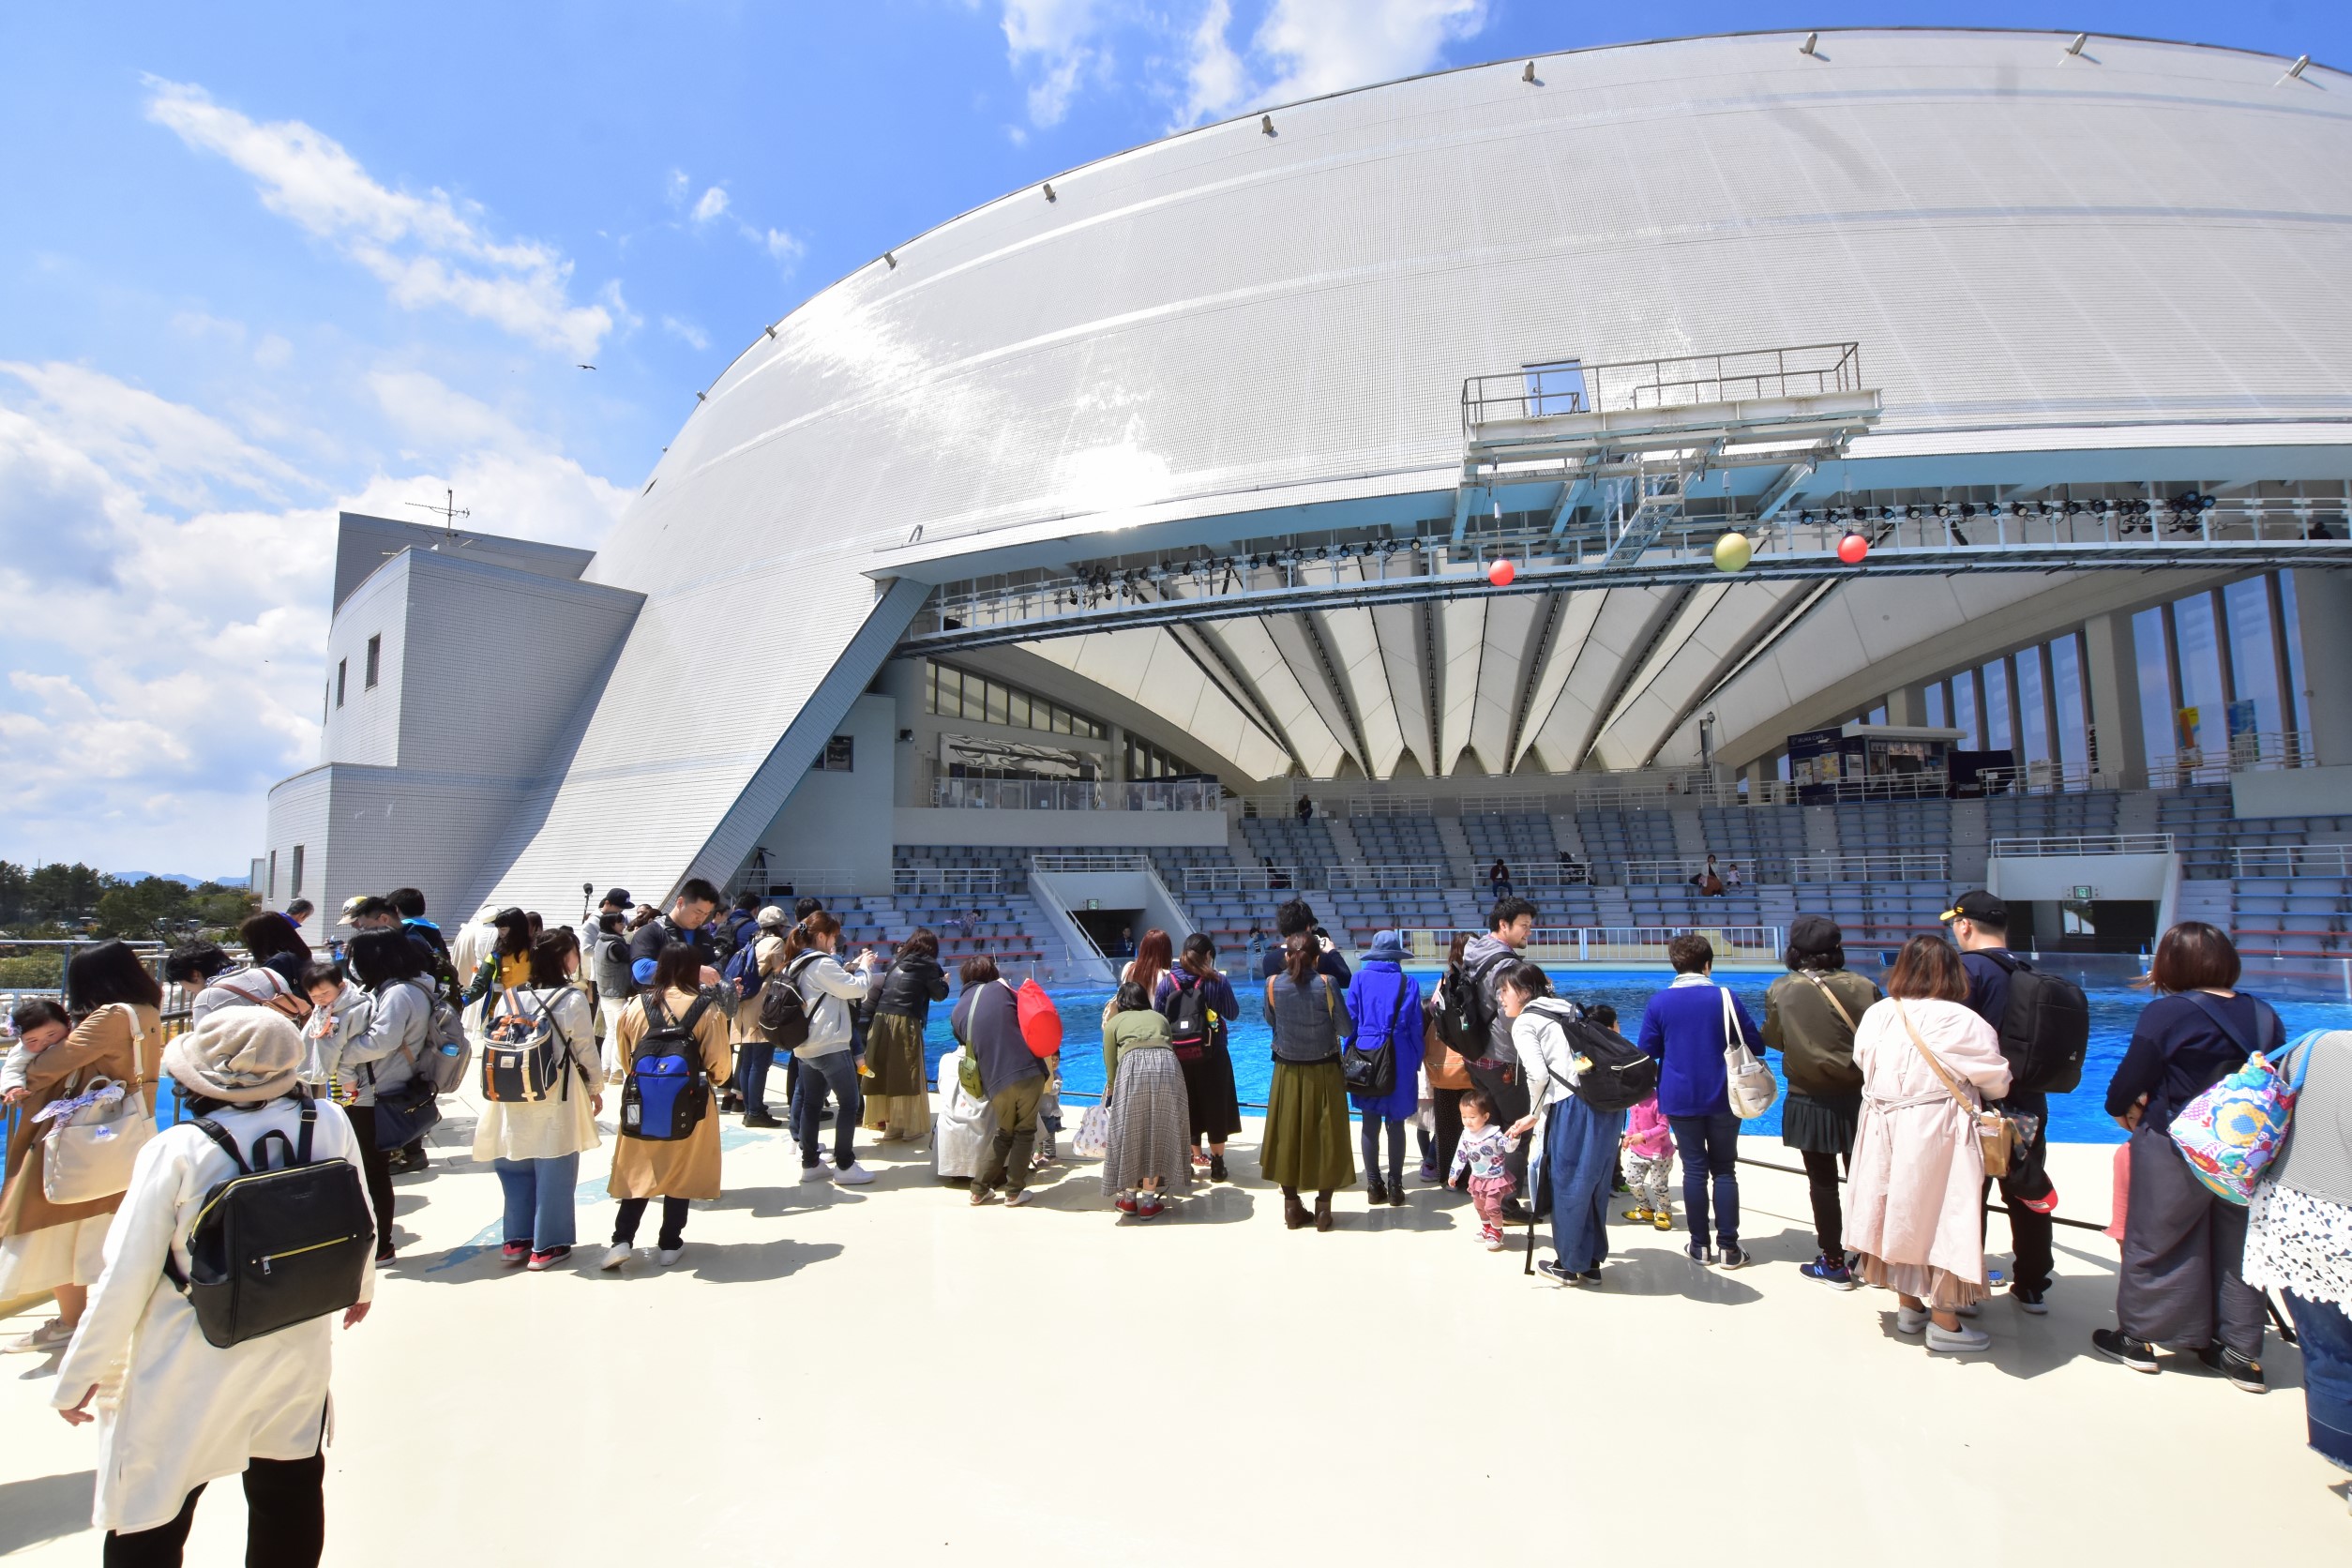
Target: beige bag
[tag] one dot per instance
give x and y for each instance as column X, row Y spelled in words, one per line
column 1996, row 1134
column 89, row 1155
column 1747, row 1082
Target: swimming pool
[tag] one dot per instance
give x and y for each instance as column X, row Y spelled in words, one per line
column 2076, row 1118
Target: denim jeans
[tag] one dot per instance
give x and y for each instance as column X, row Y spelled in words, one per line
column 2327, row 1336
column 836, row 1074
column 539, row 1200
column 1579, row 1158
column 1372, row 1125
column 1708, row 1145
column 752, row 1062
column 673, row 1218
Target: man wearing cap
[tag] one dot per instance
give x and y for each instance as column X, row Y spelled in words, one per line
column 1979, row 929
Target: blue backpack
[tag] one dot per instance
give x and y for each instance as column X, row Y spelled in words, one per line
column 743, row 969
column 667, row 1090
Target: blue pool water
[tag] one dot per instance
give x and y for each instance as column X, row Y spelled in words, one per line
column 2077, row 1118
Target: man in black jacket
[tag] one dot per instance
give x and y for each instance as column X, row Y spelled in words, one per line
column 1980, row 927
column 688, row 922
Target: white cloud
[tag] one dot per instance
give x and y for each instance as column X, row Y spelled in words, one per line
column 783, row 247
column 428, row 250
column 166, row 665
column 711, row 203
column 1059, row 41
column 685, row 332
column 1304, row 49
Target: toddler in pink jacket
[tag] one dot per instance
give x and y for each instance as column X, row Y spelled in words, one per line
column 1649, row 1147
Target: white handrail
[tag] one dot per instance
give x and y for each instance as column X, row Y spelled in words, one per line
column 2080, row 844
column 1082, row 863
column 1610, row 944
column 1239, row 879
column 945, row 879
column 2293, row 860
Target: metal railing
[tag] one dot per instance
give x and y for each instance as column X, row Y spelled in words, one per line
column 2293, row 860
column 1613, row 944
column 1390, row 879
column 1527, row 874
column 2249, row 751
column 2080, row 844
column 1387, row 806
column 773, row 883
column 952, row 880
column 1873, row 866
column 1242, row 878
column 1084, row 863
column 1077, row 794
column 1678, row 868
column 1571, row 386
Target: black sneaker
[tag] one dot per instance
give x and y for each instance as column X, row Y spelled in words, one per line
column 760, row 1120
column 1550, row 1269
column 2137, row 1354
column 1592, row 1277
column 2029, row 1300
column 1733, row 1258
column 1699, row 1252
column 2240, row 1370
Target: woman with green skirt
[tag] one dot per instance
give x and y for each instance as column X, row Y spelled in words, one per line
column 1306, row 1144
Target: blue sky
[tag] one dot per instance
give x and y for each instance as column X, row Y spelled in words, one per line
column 263, row 261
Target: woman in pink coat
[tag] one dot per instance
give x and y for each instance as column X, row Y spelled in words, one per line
column 1917, row 1171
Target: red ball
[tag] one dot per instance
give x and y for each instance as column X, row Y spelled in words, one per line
column 1853, row 548
column 1500, row 574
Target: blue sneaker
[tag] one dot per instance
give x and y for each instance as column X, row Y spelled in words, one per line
column 1829, row 1270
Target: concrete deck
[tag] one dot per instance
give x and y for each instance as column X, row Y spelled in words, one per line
column 884, row 1376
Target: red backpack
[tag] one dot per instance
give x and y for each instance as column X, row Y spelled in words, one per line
column 1041, row 1025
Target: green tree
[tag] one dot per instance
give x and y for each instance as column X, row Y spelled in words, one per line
column 141, row 910
column 58, row 891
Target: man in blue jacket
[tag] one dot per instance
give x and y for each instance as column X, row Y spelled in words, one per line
column 1684, row 1028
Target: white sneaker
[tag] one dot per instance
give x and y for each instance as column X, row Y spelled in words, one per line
column 52, row 1335
column 1020, row 1200
column 1908, row 1322
column 817, row 1172
column 670, row 1255
column 855, row 1175
column 614, row 1256
column 1952, row 1342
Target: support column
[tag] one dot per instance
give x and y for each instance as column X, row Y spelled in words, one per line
column 1115, row 761
column 2050, row 709
column 902, row 680
column 2110, row 684
column 2323, row 615
column 1908, row 706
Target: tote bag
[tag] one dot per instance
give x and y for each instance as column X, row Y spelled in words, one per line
column 1748, row 1082
column 88, row 1151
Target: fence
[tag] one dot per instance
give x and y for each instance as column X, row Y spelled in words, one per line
column 956, row 881
column 2294, row 860
column 771, row 883
column 1614, row 945
column 1081, row 863
column 1077, row 794
column 1571, row 386
column 2082, row 844
column 1870, row 867
column 1387, row 877
column 1242, row 878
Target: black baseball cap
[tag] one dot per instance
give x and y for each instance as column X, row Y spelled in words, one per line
column 1979, row 906
column 618, row 895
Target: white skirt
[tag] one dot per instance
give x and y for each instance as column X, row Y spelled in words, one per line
column 35, row 1264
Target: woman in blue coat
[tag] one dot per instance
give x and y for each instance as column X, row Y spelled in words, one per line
column 1386, row 1004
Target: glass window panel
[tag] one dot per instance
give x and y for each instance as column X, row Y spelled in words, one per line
column 2251, row 655
column 2297, row 685
column 2033, row 718
column 2156, row 721
column 1017, row 705
column 2066, row 667
column 1936, row 715
column 1964, row 713
column 2000, row 726
column 2201, row 672
column 997, row 704
column 1878, row 715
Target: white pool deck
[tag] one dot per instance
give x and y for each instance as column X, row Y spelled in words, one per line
column 886, row 1376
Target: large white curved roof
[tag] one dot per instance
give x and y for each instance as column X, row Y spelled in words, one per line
column 2137, row 251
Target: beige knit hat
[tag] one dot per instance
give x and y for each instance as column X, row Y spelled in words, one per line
column 243, row 1055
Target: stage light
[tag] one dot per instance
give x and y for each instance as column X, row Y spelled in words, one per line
column 1967, row 509
column 1805, row 520
column 1943, row 510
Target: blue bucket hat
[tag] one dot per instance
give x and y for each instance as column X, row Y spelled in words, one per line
column 1388, row 947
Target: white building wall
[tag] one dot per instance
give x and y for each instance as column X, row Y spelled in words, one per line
column 840, row 822
column 366, row 726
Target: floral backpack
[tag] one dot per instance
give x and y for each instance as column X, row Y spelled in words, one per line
column 2231, row 1133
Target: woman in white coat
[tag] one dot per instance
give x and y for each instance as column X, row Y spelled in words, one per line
column 185, row 1413
column 1914, row 1193
column 535, row 1145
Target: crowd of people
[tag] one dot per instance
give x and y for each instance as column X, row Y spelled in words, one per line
column 1906, row 1102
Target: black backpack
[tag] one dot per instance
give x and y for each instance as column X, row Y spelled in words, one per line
column 783, row 1011
column 1617, row 1074
column 1188, row 1018
column 2045, row 1033
column 273, row 1248
column 1466, row 1016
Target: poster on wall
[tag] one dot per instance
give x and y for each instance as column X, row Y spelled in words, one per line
column 2185, row 731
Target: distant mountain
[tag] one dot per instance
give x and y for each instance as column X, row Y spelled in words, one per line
column 182, row 877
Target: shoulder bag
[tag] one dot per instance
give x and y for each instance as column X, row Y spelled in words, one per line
column 1747, row 1082
column 94, row 1137
column 1996, row 1134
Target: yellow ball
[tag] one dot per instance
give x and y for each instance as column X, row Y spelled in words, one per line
column 1733, row 552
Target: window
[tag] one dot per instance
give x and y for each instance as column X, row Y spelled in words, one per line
column 956, row 694
column 273, row 874
column 375, row 659
column 840, row 755
column 297, row 890
column 1556, row 387
column 342, row 679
